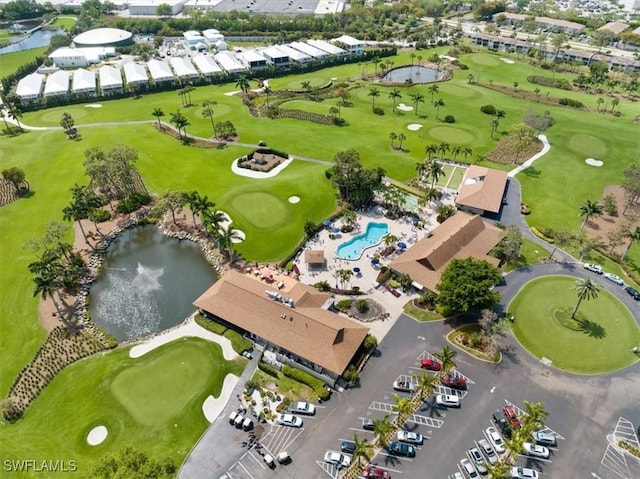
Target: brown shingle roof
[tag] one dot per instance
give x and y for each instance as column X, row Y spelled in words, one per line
column 461, row 236
column 614, row 27
column 482, row 188
column 307, row 330
column 314, row 256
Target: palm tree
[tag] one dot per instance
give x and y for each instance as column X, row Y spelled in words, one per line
column 425, row 385
column 158, row 113
column 382, row 428
column 433, row 89
column 446, row 355
column 267, row 91
column 373, row 93
column 15, row 113
column 470, row 78
column 403, row 407
column 408, row 83
column 499, row 470
column 466, row 151
column 401, row 138
column 393, row 137
column 434, row 171
column 390, row 239
column 412, row 56
column 344, row 276
column 226, row 239
column 361, row 450
column 437, row 104
column 494, row 126
column 180, row 122
column 306, row 86
column 394, row 95
column 561, row 239
column 633, row 235
column 455, row 151
column 590, row 209
column 211, row 220
column 534, row 418
column 514, row 445
column 243, row 84
column 599, row 103
column 417, row 98
column 586, row 289
column 421, row 169
column 46, row 286
column 443, row 148
column 614, row 103
column 4, row 119
column 209, row 112
column 430, row 150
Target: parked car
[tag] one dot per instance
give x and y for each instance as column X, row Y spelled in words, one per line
column 535, row 450
column 634, row 293
column 375, row 472
column 496, row 439
column 401, row 449
column 502, row 424
column 303, row 407
column 596, row 268
column 431, row 364
column 337, row 459
column 544, row 439
column 458, row 475
column 367, row 424
column 523, row 473
column 404, row 386
column 289, row 420
column 410, row 437
column 478, row 460
column 488, row 451
column 448, row 400
column 233, row 416
column 455, row 382
column 614, row 278
column 348, row 446
column 511, row 416
column 468, row 468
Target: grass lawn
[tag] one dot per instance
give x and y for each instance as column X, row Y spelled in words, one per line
column 122, row 394
column 530, row 253
column 285, row 386
column 65, row 22
column 444, row 179
column 11, row 61
column 476, row 353
column 456, row 178
column 604, row 348
column 419, row 314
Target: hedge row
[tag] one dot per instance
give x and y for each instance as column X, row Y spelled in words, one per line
column 270, row 370
column 571, row 102
column 550, row 82
column 305, row 378
column 238, row 342
column 210, row 325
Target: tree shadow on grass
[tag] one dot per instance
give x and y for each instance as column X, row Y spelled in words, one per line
column 531, row 172
column 592, row 329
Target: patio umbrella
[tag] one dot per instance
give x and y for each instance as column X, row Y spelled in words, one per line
column 402, row 245
column 326, row 223
column 375, row 261
column 295, row 269
column 335, row 230
column 356, row 270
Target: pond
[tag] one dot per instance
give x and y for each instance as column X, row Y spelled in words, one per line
column 417, row 74
column 39, row 38
column 148, row 283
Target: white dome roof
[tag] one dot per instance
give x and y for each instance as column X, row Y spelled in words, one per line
column 102, row 36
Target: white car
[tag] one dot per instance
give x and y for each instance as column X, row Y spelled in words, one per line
column 448, row 400
column 478, row 460
column 303, row 407
column 485, row 447
column 468, row 468
column 289, row 420
column 614, row 278
column 523, row 473
column 535, row 450
column 337, row 459
column 496, row 439
column 544, row 439
column 410, row 437
column 596, row 268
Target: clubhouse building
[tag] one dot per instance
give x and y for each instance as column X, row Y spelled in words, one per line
column 291, row 321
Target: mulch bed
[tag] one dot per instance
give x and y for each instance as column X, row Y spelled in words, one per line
column 505, row 152
column 197, row 142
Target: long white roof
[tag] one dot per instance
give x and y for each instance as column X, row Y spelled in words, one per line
column 309, row 50
column 295, row 55
column 160, row 70
column 110, row 77
column 251, row 56
column 327, row 47
column 183, row 67
column 30, row 86
column 274, row 52
column 229, row 62
column 206, row 64
column 83, row 80
column 57, row 83
column 135, row 73
column 349, row 40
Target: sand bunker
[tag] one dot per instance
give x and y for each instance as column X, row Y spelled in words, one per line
column 97, row 435
column 507, row 61
column 294, row 199
column 212, row 407
column 414, row 126
column 403, row 107
column 593, row 162
column 240, row 236
column 94, row 105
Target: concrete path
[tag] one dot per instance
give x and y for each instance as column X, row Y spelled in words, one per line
column 545, row 149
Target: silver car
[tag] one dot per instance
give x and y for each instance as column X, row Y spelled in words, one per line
column 614, row 278
column 544, row 439
column 488, row 451
column 478, row 460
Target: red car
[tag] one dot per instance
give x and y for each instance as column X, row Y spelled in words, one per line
column 431, row 364
column 511, row 416
column 375, row 472
column 455, row 382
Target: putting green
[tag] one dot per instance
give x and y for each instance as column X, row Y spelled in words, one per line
column 218, row 111
column 459, row 91
column 604, row 343
column 588, row 145
column 261, row 209
column 486, row 60
column 450, row 134
column 161, row 387
column 76, row 112
column 314, row 81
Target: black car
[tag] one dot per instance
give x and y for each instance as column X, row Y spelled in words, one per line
column 502, row 424
column 401, row 449
column 634, row 293
column 367, row 424
column 348, row 447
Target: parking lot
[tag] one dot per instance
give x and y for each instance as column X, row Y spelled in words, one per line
column 577, row 415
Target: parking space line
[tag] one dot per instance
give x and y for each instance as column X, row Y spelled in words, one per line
column 452, row 392
column 386, row 454
column 625, row 431
column 535, row 458
column 614, row 458
column 245, row 470
column 415, row 418
column 455, row 371
column 396, row 471
column 522, row 412
column 330, row 469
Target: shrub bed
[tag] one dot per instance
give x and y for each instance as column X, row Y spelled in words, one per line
column 238, row 342
column 305, row 378
column 210, row 325
column 267, row 369
column 550, row 82
column 571, row 102
column 305, row 115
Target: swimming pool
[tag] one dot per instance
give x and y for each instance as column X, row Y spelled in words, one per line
column 353, row 248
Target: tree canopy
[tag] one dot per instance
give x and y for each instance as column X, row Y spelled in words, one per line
column 130, row 462
column 356, row 184
column 466, row 285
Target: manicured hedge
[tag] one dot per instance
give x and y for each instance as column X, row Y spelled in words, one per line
column 270, row 370
column 571, row 102
column 210, row 325
column 238, row 342
column 550, row 82
column 305, row 378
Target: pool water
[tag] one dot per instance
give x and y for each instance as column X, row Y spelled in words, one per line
column 354, row 248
